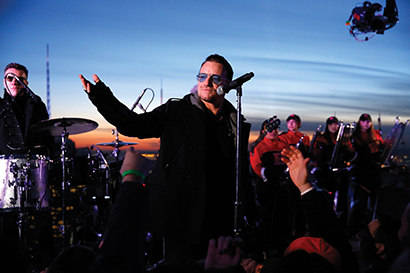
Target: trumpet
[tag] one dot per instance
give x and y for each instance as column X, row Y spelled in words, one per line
column 313, row 142
column 343, row 139
column 297, row 146
column 392, row 141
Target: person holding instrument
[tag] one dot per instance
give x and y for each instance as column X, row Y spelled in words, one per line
column 365, row 173
column 272, row 198
column 332, row 177
column 193, row 184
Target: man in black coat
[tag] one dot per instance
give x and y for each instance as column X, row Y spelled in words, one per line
column 19, row 110
column 193, row 182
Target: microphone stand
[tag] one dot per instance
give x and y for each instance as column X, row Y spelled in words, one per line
column 237, row 84
column 31, row 93
column 238, row 203
column 25, row 87
column 137, row 102
column 64, row 184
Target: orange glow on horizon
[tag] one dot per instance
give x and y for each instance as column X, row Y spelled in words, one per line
column 105, row 136
column 85, row 140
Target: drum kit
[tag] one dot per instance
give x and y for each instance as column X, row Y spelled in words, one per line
column 25, row 179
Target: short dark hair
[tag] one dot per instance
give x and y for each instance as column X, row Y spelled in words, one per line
column 220, row 59
column 16, row 66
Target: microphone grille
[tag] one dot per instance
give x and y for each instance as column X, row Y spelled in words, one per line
column 220, row 90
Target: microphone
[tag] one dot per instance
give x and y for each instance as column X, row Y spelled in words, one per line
column 138, row 100
column 25, row 87
column 224, row 89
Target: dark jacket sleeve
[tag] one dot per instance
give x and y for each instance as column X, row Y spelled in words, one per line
column 124, row 237
column 323, row 222
column 127, row 122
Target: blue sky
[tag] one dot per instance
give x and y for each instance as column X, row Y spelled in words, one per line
column 304, row 59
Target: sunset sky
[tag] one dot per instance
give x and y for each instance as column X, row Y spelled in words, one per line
column 304, row 60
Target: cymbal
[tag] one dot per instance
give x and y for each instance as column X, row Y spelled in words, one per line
column 117, row 143
column 56, row 127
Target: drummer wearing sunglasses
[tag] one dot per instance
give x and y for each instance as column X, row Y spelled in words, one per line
column 11, row 83
column 24, row 167
column 19, row 111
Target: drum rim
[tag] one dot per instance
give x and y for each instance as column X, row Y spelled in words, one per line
column 24, row 156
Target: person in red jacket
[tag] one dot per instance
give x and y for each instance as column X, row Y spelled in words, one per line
column 293, row 136
column 277, row 197
column 331, row 173
column 269, row 172
column 269, row 143
column 365, row 173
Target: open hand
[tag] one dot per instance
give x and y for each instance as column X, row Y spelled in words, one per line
column 86, row 84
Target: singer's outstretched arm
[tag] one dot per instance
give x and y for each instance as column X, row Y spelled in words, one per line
column 128, row 122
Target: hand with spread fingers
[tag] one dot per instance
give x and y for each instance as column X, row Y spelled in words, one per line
column 297, row 167
column 224, row 254
column 86, row 84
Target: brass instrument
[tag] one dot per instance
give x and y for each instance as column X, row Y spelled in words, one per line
column 392, row 141
column 343, row 138
column 269, row 125
column 313, row 142
column 300, row 141
column 297, row 146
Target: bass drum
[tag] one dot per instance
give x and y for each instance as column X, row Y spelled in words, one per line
column 24, row 182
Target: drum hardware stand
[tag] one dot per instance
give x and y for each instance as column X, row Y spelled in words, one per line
column 21, row 218
column 53, row 127
column 22, row 182
column 63, row 228
column 116, row 154
column 117, row 144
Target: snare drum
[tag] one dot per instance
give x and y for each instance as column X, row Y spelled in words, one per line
column 23, row 182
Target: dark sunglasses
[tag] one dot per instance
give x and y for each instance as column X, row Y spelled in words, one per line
column 216, row 79
column 11, row 78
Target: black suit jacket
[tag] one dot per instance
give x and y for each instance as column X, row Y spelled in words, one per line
column 11, row 132
column 178, row 181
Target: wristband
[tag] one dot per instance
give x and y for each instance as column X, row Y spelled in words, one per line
column 306, row 191
column 135, row 172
